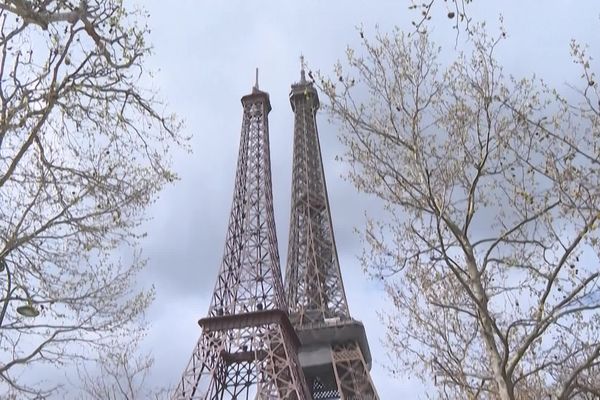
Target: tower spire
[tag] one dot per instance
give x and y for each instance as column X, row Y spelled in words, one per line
column 335, row 353
column 248, row 345
column 302, row 75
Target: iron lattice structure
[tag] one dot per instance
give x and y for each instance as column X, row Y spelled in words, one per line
column 335, row 354
column 248, row 347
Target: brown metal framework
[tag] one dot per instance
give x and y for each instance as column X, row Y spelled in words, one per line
column 315, row 290
column 248, row 347
column 314, row 286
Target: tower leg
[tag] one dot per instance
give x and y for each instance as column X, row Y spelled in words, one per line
column 353, row 377
column 204, row 371
column 252, row 362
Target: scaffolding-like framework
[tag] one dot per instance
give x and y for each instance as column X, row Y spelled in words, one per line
column 255, row 344
column 335, row 353
column 248, row 347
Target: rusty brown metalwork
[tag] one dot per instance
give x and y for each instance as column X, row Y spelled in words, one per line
column 334, row 349
column 248, row 347
column 315, row 290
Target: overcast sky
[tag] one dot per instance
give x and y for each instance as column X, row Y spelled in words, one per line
column 206, row 53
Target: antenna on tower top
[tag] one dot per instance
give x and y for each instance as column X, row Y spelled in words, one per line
column 302, row 76
column 256, row 84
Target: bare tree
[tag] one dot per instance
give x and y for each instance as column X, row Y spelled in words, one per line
column 84, row 149
column 489, row 250
column 120, row 375
column 456, row 11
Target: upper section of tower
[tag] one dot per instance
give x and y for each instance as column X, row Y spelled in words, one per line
column 250, row 276
column 257, row 95
column 304, row 90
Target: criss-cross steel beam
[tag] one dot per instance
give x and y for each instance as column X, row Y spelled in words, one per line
column 248, row 347
column 335, row 353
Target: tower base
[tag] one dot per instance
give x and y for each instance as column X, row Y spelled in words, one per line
column 336, row 360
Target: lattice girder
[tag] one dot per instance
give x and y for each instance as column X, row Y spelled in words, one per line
column 248, row 347
column 332, row 359
column 243, row 359
column 352, row 374
column 314, row 286
column 250, row 278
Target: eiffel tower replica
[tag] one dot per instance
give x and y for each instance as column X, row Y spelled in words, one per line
column 248, row 347
column 335, row 353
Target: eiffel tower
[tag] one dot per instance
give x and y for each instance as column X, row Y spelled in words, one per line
column 335, row 354
column 248, row 347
